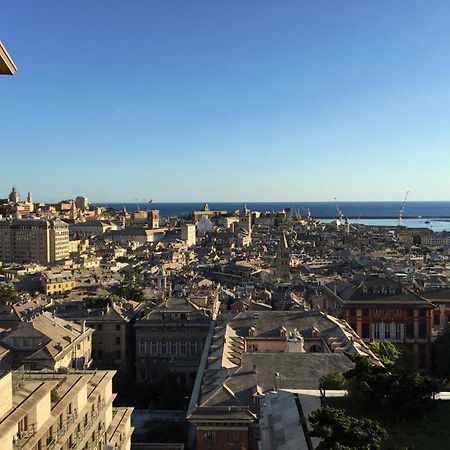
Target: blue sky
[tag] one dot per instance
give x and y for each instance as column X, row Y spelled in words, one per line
column 254, row 100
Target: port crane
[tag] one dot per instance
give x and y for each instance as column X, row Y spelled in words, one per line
column 402, row 209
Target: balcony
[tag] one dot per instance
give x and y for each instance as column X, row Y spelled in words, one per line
column 71, row 417
column 87, row 426
column 22, row 436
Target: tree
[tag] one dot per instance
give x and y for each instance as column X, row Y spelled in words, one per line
column 8, row 294
column 378, row 387
column 131, row 287
column 332, row 381
column 387, row 352
column 394, row 357
column 339, row 431
column 442, row 353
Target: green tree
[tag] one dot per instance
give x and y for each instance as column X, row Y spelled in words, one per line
column 8, row 294
column 442, row 353
column 394, row 357
column 379, row 387
column 339, row 431
column 333, row 381
column 387, row 352
column 131, row 287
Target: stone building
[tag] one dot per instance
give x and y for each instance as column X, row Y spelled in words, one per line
column 251, row 354
column 48, row 342
column 379, row 308
column 170, row 340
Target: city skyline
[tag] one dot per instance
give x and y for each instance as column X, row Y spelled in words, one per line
column 227, row 102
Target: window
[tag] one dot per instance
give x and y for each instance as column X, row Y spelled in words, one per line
column 387, row 331
column 422, row 330
column 376, row 331
column 118, row 354
column 365, row 313
column 163, row 348
column 154, row 348
column 422, row 312
column 398, row 331
column 100, row 327
column 410, row 330
column 183, row 348
column 352, row 312
column 117, row 327
column 193, row 346
column 209, row 435
column 410, row 313
column 142, row 347
column 436, row 319
column 173, row 348
column 118, row 340
column 365, row 331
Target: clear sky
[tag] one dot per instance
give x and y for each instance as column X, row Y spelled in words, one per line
column 236, row 100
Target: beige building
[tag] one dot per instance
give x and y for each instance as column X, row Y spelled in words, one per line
column 149, row 219
column 57, row 283
column 112, row 344
column 188, row 234
column 48, row 342
column 33, row 241
column 82, row 203
column 92, row 227
column 51, row 410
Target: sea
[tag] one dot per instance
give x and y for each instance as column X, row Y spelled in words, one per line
column 434, row 214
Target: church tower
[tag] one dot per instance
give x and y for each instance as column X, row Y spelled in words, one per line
column 245, row 220
column 283, row 259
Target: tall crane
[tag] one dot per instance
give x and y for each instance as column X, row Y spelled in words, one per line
column 339, row 211
column 402, row 209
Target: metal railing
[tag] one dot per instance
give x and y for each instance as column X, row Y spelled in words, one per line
column 22, row 436
column 87, row 425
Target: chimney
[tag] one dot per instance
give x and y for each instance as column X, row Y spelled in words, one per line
column 83, row 326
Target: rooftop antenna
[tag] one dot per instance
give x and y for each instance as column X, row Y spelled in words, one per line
column 402, row 209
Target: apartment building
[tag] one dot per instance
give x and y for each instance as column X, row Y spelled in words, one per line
column 33, row 241
column 51, row 410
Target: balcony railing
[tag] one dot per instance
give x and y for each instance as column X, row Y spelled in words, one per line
column 22, row 436
column 87, row 425
column 71, row 417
